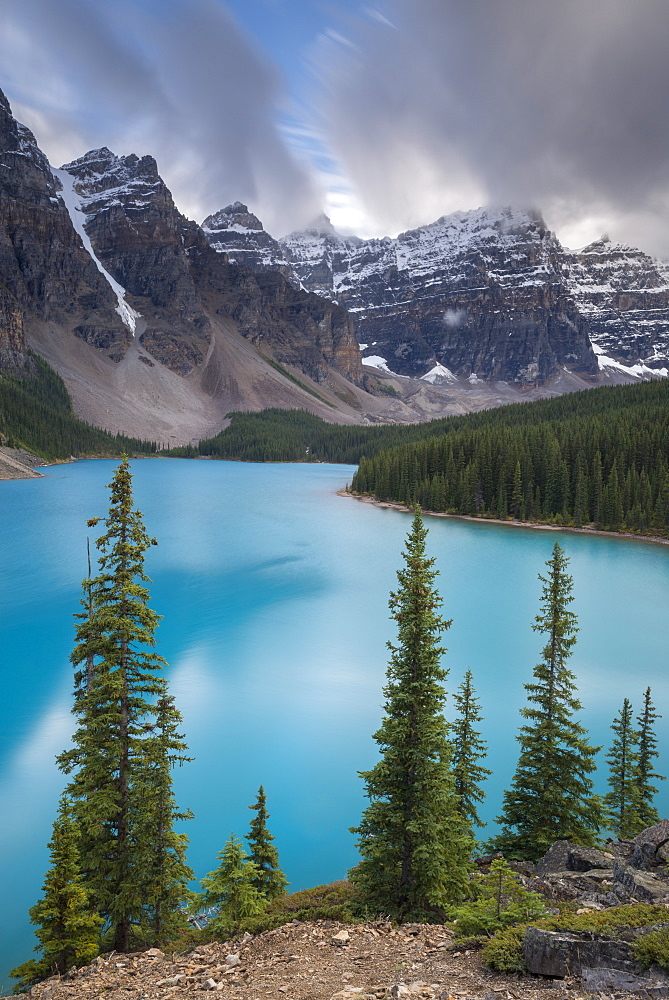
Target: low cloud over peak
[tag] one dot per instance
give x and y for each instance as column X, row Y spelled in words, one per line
column 523, row 101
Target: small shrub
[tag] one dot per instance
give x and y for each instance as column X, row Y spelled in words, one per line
column 504, row 952
column 502, row 901
column 323, row 902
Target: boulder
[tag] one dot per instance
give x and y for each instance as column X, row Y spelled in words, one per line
column 565, row 856
column 651, row 846
column 630, row 885
column 563, row 953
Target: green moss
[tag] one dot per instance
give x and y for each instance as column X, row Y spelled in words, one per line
column 504, row 951
column 653, row 948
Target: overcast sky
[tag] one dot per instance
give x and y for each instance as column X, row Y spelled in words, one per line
column 387, row 114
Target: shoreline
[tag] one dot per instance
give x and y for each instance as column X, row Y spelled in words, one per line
column 392, row 505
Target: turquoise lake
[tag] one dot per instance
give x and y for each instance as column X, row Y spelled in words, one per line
column 274, row 593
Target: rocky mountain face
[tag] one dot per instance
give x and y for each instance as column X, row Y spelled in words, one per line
column 97, row 254
column 45, row 273
column 488, row 295
column 135, row 229
column 173, row 277
column 295, row 327
column 238, row 233
column 624, row 295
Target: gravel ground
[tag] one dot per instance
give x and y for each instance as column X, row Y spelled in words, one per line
column 311, row 961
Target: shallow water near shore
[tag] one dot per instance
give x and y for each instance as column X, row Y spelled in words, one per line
column 274, row 593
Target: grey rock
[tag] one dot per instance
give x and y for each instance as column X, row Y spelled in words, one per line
column 656, row 836
column 601, row 980
column 584, row 859
column 555, row 859
column 556, row 953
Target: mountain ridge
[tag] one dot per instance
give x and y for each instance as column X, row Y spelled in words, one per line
column 160, row 327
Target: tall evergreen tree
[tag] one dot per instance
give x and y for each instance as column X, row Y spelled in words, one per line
column 468, row 750
column 621, row 803
column 648, row 814
column 551, row 795
column 270, row 880
column 115, row 744
column 413, row 841
column 67, row 928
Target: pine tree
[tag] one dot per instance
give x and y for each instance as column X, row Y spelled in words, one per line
column 232, row 889
column 468, row 750
column 621, row 804
column 551, row 795
column 270, row 880
column 115, row 744
column 413, row 842
column 648, row 814
column 67, row 928
column 162, row 868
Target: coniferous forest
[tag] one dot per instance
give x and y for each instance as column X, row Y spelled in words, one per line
column 599, row 459
column 36, row 414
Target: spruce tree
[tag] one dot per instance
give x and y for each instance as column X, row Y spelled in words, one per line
column 270, row 880
column 67, row 928
column 468, row 750
column 232, row 889
column 551, row 796
column 413, row 841
column 162, row 865
column 647, row 750
column 621, row 804
column 118, row 688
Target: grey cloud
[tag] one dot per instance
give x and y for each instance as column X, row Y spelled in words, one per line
column 561, row 105
column 184, row 85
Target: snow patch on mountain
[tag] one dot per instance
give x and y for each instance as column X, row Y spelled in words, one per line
column 639, row 370
column 440, row 375
column 73, row 202
column 375, row 361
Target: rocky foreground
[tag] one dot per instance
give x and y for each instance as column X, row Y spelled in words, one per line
column 309, row 961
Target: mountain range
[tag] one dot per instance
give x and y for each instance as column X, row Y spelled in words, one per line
column 160, row 327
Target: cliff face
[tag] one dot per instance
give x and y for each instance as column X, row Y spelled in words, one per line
column 135, row 232
column 479, row 293
column 45, row 273
column 281, row 320
column 624, row 295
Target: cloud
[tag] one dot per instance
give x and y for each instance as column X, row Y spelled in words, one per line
column 183, row 84
column 560, row 105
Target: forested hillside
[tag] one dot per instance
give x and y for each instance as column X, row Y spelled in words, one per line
column 36, row 414
column 599, row 458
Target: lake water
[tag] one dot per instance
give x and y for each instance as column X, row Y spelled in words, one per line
column 274, row 593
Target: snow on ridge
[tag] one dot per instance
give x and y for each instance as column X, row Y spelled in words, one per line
column 73, row 203
column 376, row 361
column 639, row 370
